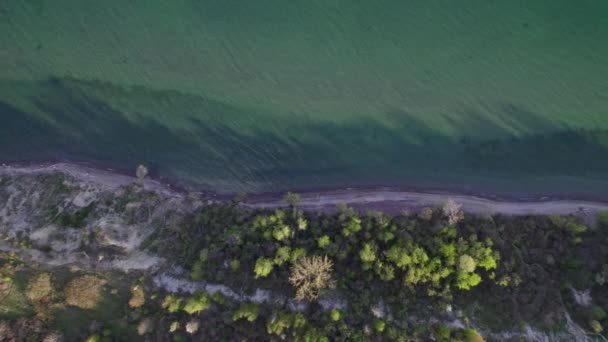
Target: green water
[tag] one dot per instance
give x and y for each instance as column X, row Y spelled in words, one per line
column 496, row 96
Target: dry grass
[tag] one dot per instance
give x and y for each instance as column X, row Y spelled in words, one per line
column 84, row 292
column 138, row 296
column 40, row 287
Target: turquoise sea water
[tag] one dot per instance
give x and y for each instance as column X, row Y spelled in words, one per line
column 493, row 96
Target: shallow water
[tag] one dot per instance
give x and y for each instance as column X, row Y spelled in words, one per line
column 506, row 97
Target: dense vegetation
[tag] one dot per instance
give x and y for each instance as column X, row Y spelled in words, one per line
column 437, row 274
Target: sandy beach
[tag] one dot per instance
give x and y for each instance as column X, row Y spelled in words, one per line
column 385, row 199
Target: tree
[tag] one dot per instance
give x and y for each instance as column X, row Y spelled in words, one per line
column 263, row 267
column 198, row 302
column 384, row 270
column 453, row 212
column 292, row 199
column 282, row 255
column 466, row 281
column 368, row 253
column 466, row 263
column 426, row 214
column 399, row 256
column 281, row 233
column 335, row 315
column 141, row 172
column 379, row 325
column 310, row 275
column 249, row 311
column 297, row 253
column 352, row 226
column 323, row 241
column 172, row 303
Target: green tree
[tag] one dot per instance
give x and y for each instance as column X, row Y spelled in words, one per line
column 263, row 267
column 368, row 253
column 352, row 226
column 281, row 232
column 282, row 255
column 323, row 241
column 399, row 256
column 172, row 303
column 249, row 311
column 335, row 315
column 197, row 303
column 379, row 326
column 466, row 263
column 297, row 253
column 466, row 281
column 292, row 199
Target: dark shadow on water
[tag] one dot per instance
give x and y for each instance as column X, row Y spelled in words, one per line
column 216, row 155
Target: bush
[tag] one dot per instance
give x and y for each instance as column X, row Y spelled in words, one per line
column 84, row 292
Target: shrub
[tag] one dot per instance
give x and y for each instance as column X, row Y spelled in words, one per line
column 84, row 292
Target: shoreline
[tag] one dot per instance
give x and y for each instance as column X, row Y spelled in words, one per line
column 394, row 200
